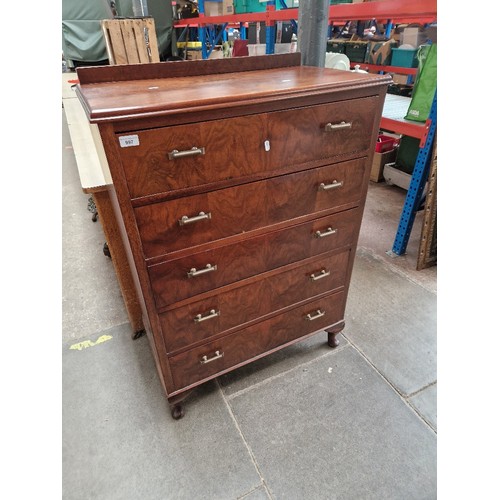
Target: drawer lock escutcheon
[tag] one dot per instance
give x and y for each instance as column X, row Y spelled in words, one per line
column 322, row 234
column 194, row 151
column 323, row 274
column 192, row 273
column 211, row 314
column 205, row 359
column 189, row 220
column 334, row 184
column 317, row 314
column 332, row 127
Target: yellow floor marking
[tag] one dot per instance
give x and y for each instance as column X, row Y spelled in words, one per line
column 89, row 343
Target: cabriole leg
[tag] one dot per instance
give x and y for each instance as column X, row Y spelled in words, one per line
column 332, row 333
column 177, row 405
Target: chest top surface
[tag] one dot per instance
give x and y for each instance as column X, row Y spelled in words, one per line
column 117, row 93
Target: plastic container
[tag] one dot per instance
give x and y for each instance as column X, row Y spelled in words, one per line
column 337, row 46
column 385, row 143
column 244, row 6
column 404, row 58
column 356, row 51
column 357, row 69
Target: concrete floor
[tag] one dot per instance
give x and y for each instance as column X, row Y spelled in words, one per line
column 357, row 422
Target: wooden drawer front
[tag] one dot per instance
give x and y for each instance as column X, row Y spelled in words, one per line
column 197, row 321
column 226, row 212
column 232, row 148
column 299, row 135
column 171, row 281
column 213, row 358
column 239, row 147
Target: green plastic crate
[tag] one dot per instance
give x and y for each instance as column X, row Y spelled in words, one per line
column 356, row 51
column 245, row 6
column 404, row 58
column 335, row 46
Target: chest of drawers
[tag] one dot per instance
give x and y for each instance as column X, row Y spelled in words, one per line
column 239, row 186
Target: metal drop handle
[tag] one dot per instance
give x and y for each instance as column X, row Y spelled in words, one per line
column 194, row 151
column 332, row 127
column 334, row 184
column 323, row 274
column 205, row 359
column 328, row 232
column 189, row 220
column 211, row 314
column 312, row 316
column 193, row 272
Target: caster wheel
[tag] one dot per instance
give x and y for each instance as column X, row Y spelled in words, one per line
column 105, row 250
column 177, row 412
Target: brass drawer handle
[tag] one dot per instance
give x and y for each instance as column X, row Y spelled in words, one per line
column 211, row 314
column 334, row 184
column 194, row 151
column 194, row 272
column 323, row 274
column 311, row 317
column 328, row 232
column 189, row 220
column 205, row 359
column 332, row 127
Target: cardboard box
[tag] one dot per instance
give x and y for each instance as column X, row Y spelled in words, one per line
column 413, row 36
column 399, row 79
column 222, row 8
column 380, row 52
column 379, row 161
column 194, row 55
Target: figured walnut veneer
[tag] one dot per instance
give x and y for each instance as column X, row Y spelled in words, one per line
column 239, row 186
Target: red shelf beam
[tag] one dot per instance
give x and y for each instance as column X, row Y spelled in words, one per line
column 233, row 18
column 404, row 127
column 401, row 11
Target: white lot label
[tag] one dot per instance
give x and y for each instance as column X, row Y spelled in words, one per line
column 129, row 140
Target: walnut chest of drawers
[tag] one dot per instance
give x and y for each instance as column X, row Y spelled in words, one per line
column 239, row 185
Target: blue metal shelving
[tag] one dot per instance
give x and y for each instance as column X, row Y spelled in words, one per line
column 417, row 185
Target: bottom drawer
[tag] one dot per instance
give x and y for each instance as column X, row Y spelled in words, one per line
column 234, row 306
column 210, row 360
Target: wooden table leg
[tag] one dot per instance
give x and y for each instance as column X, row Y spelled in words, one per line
column 120, row 261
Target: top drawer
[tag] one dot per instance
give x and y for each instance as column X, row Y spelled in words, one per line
column 182, row 156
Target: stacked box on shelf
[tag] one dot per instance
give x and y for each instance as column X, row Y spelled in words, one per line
column 335, row 45
column 256, row 32
column 245, row 6
column 404, row 58
column 218, row 8
column 380, row 52
column 356, row 51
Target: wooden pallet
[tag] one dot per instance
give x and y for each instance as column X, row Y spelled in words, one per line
column 130, row 41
